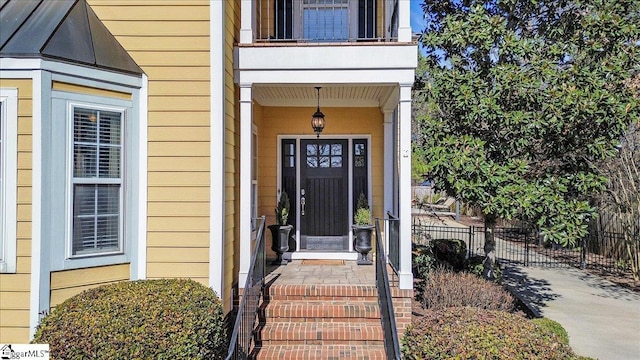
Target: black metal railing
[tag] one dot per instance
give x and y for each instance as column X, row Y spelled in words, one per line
column 242, row 338
column 325, row 21
column 393, row 232
column 385, row 301
column 600, row 250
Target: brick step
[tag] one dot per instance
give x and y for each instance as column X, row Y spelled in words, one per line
column 321, row 333
column 312, row 352
column 323, row 311
column 322, row 292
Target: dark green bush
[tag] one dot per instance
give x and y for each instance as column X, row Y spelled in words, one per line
column 147, row 319
column 554, row 327
column 472, row 333
column 443, row 289
column 476, row 266
column 423, row 261
column 450, row 253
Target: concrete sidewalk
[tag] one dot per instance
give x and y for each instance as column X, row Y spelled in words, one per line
column 601, row 318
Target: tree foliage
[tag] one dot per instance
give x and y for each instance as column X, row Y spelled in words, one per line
column 523, row 98
column 620, row 203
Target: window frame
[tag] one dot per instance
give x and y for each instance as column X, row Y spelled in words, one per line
column 72, row 180
column 8, row 176
column 299, row 26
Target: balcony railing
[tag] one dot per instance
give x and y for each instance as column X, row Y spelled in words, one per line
column 325, row 20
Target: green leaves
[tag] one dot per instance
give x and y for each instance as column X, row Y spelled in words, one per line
column 147, row 319
column 522, row 99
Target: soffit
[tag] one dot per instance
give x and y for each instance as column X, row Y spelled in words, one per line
column 330, row 95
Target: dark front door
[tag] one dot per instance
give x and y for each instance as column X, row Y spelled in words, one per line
column 324, row 174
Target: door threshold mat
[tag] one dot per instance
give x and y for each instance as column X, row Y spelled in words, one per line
column 322, row 262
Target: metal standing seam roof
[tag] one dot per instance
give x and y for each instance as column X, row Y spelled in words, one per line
column 63, row 30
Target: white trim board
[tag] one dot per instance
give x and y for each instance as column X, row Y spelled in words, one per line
column 9, row 173
column 217, row 149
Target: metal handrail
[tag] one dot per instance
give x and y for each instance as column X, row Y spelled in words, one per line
column 243, row 330
column 393, row 233
column 385, row 301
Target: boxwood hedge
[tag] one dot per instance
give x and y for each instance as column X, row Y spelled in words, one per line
column 147, row 319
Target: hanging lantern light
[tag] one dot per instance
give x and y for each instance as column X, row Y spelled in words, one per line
column 317, row 120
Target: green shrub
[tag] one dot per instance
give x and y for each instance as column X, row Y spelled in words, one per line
column 423, row 261
column 150, row 319
column 443, row 289
column 472, row 333
column 554, row 327
column 450, row 253
column 476, row 266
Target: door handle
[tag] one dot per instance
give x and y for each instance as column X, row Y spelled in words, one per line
column 302, row 204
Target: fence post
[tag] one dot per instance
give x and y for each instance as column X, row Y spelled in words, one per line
column 526, row 248
column 583, row 254
column 471, row 233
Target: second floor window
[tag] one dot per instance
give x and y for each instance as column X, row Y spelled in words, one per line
column 318, row 20
column 325, row 19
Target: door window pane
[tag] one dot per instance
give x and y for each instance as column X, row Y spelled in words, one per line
column 324, row 155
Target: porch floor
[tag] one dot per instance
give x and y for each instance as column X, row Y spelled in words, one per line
column 310, row 272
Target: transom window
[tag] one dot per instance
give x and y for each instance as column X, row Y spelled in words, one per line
column 97, row 181
column 324, row 155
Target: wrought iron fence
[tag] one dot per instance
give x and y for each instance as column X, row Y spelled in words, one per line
column 385, row 301
column 528, row 247
column 242, row 339
column 393, row 241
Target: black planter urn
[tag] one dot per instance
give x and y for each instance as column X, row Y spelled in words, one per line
column 362, row 242
column 280, row 243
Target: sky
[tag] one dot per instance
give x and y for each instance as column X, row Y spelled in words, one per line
column 417, row 20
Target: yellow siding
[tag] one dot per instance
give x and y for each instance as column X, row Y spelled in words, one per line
column 14, row 288
column 67, row 283
column 170, row 42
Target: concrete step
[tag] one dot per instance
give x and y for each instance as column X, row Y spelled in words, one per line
column 313, row 352
column 320, row 333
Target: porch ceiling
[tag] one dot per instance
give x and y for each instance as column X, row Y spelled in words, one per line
column 330, row 95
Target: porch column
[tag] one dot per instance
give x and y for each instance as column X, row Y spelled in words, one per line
column 404, row 25
column 245, row 181
column 405, row 274
column 388, row 161
column 246, row 21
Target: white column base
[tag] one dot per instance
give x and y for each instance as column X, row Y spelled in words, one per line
column 405, row 281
